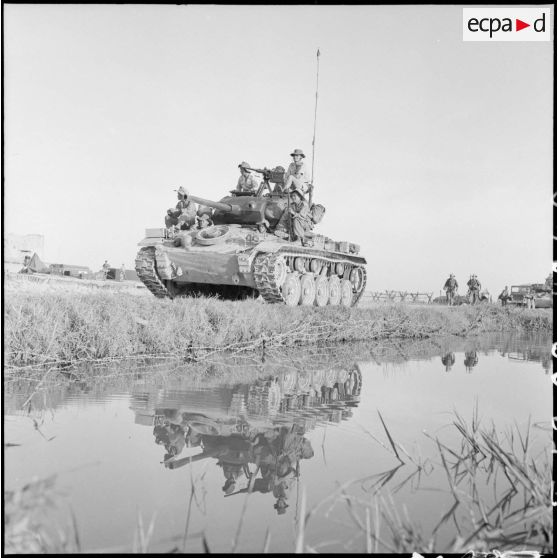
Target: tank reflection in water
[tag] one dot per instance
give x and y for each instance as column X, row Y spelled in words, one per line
column 255, row 433
column 226, row 450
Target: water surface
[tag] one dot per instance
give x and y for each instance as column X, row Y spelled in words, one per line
column 184, row 447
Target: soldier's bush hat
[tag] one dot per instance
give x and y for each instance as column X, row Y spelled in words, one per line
column 244, row 165
column 298, row 152
column 297, row 190
column 182, row 191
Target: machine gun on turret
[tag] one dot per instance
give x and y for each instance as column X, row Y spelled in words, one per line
column 274, row 176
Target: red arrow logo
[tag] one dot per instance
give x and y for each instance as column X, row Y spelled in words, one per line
column 519, row 25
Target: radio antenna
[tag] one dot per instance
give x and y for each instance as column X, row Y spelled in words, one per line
column 315, row 111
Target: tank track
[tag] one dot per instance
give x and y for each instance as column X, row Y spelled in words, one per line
column 147, row 272
column 265, row 273
column 265, row 266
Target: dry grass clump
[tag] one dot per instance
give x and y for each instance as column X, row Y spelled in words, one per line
column 54, row 327
column 500, row 490
column 31, row 524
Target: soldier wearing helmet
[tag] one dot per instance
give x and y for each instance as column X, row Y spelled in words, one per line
column 297, row 218
column 450, row 286
column 474, row 289
column 183, row 216
column 247, row 182
column 296, row 174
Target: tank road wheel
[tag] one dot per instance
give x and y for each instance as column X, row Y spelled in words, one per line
column 279, row 270
column 291, row 289
column 322, row 290
column 299, row 265
column 346, row 293
column 334, row 290
column 356, row 277
column 315, row 266
column 307, row 290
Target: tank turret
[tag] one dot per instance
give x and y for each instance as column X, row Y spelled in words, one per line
column 241, row 209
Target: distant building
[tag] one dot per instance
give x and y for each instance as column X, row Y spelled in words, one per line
column 17, row 246
column 67, row 270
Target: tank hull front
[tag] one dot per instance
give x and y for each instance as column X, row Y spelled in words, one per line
column 207, row 267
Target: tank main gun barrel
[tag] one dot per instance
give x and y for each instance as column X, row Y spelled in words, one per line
column 227, row 207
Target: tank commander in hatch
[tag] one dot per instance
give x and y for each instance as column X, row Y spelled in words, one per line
column 203, row 217
column 183, row 216
column 247, row 182
column 297, row 176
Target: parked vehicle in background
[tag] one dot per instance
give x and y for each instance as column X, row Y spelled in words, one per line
column 542, row 295
column 522, row 295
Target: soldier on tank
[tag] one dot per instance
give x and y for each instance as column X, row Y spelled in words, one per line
column 297, row 217
column 450, row 286
column 183, row 216
column 301, row 214
column 247, row 182
column 297, row 176
column 203, row 217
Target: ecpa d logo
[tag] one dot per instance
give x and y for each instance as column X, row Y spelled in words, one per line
column 506, row 24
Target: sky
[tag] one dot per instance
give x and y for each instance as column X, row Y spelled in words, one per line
column 433, row 154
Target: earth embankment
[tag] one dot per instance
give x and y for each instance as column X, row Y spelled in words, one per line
column 54, row 326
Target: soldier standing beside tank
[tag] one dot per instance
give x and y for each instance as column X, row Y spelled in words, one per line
column 450, row 286
column 183, row 216
column 247, row 182
column 297, row 174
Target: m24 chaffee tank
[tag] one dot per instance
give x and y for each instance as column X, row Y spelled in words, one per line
column 241, row 255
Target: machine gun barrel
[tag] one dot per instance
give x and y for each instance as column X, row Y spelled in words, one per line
column 227, row 207
column 265, row 172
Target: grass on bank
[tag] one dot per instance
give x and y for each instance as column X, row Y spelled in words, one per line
column 69, row 327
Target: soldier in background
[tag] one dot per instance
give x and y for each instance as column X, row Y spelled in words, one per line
column 122, row 275
column 183, row 216
column 504, row 296
column 450, row 286
column 247, row 182
column 106, row 269
column 474, row 289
